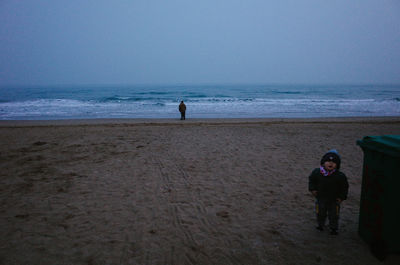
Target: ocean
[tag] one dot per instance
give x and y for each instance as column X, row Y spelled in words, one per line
column 202, row 101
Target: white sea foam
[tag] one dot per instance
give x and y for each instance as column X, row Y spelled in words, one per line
column 219, row 102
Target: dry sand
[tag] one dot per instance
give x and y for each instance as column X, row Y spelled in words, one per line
column 177, row 192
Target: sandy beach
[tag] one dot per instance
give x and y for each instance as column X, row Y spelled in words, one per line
column 223, row 191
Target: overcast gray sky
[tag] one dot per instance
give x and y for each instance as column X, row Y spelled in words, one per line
column 195, row 42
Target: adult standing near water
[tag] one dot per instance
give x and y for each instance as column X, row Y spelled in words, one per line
column 182, row 110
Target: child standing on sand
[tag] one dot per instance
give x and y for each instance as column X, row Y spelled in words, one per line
column 330, row 187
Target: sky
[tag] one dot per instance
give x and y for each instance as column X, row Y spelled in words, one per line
column 82, row 42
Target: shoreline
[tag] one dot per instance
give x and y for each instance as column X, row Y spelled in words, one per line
column 194, row 121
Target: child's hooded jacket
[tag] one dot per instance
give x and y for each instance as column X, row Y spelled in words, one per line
column 329, row 186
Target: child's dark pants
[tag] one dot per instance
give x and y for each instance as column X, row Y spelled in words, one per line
column 328, row 208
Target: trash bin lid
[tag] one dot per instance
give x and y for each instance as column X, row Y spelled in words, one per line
column 388, row 144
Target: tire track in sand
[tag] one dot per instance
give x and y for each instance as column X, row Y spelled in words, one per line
column 175, row 181
column 169, row 187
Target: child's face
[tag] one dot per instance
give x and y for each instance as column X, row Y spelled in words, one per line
column 330, row 165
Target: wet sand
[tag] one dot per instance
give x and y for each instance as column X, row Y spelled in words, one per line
column 217, row 191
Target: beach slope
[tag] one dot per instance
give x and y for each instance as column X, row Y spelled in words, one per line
column 177, row 192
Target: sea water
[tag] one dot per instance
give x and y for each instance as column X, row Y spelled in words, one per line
column 202, row 101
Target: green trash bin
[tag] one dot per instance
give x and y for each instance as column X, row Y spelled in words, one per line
column 379, row 219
